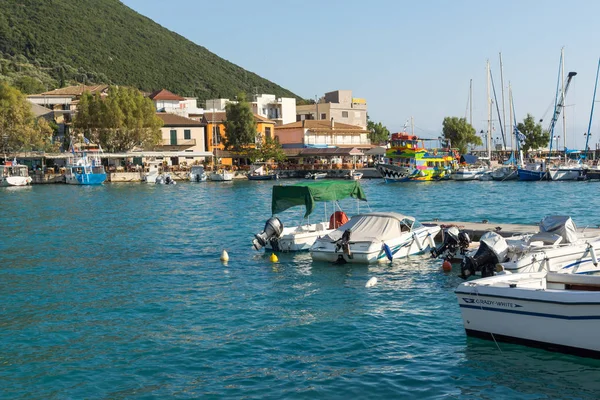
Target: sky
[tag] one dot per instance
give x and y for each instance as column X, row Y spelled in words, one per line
column 409, row 59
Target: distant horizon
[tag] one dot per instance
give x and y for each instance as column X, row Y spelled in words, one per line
column 406, row 60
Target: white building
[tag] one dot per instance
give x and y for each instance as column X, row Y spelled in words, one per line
column 170, row 103
column 281, row 110
column 182, row 135
column 339, row 105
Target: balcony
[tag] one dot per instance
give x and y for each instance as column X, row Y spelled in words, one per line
column 178, row 142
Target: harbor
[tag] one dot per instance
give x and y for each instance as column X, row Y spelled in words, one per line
column 148, row 289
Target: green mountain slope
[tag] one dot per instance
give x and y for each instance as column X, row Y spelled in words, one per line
column 103, row 41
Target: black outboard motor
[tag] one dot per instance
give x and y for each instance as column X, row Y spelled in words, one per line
column 492, row 250
column 455, row 240
column 272, row 231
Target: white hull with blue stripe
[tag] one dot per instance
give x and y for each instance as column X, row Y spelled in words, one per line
column 559, row 312
column 373, row 238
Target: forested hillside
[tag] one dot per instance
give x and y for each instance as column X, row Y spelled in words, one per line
column 51, row 43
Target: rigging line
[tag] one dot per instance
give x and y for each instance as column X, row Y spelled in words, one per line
column 491, row 333
column 498, row 110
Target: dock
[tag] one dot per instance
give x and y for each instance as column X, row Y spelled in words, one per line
column 476, row 229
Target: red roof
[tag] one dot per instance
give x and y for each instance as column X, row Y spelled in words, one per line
column 164, row 94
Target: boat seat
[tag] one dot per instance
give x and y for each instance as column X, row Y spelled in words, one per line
column 546, row 238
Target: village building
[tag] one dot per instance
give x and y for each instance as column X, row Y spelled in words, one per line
column 182, row 135
column 339, row 105
column 168, row 102
column 281, row 110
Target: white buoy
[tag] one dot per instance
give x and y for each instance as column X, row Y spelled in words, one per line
column 371, row 282
column 224, row 256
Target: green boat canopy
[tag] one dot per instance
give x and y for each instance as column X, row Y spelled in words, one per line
column 307, row 194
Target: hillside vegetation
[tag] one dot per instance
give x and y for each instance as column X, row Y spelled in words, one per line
column 52, row 43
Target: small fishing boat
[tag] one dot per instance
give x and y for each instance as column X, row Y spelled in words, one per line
column 260, row 173
column 470, row 169
column 316, row 175
column 14, row 174
column 557, row 312
column 165, row 179
column 355, row 175
column 298, row 238
column 220, row 176
column 375, row 237
column 84, row 166
column 533, row 172
column 197, row 174
column 557, row 247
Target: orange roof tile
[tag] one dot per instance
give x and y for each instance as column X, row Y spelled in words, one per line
column 176, row 120
column 164, row 94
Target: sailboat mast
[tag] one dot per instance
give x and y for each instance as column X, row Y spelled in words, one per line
column 564, row 119
column 471, row 102
column 510, row 119
column 412, row 125
column 587, row 139
column 503, row 102
column 489, row 100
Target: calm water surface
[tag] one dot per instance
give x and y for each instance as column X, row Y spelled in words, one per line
column 118, row 292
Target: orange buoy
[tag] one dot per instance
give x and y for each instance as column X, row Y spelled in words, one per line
column 446, row 266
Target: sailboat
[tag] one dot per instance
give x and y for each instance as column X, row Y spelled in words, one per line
column 591, row 173
column 538, row 171
column 219, row 175
column 508, row 171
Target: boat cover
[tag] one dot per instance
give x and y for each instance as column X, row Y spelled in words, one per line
column 372, row 227
column 308, row 193
column 468, row 159
column 560, row 225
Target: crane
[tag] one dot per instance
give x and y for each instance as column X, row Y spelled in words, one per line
column 560, row 105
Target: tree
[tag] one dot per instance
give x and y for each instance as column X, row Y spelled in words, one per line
column 269, row 150
column 121, row 121
column 378, row 133
column 240, row 126
column 29, row 85
column 460, row 133
column 535, row 137
column 19, row 129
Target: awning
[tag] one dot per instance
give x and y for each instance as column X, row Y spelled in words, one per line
column 376, row 151
column 307, row 194
column 331, row 151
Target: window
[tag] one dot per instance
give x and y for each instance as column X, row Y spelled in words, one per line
column 344, row 114
column 173, row 133
column 268, row 132
column 187, row 134
column 323, row 116
column 299, row 118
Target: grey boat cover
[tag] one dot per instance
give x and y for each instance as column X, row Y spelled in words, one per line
column 371, row 227
column 560, row 225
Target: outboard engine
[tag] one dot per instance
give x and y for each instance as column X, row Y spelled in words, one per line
column 272, row 231
column 455, row 240
column 492, row 250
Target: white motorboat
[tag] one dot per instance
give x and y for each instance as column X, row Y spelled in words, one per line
column 14, row 174
column 301, row 237
column 469, row 173
column 197, row 174
column 316, row 175
column 220, row 176
column 165, row 179
column 354, row 175
column 566, row 172
column 505, row 173
column 153, row 172
column 375, row 237
column 557, row 247
column 558, row 312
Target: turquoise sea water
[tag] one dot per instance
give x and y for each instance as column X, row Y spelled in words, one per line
column 117, row 291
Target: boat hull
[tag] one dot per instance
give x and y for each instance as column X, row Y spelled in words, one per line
column 565, row 174
column 505, row 174
column 268, row 177
column 15, row 181
column 409, row 244
column 85, row 179
column 557, row 320
column 528, row 175
column 299, row 238
column 220, row 177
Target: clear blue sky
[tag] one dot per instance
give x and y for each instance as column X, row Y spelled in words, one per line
column 407, row 58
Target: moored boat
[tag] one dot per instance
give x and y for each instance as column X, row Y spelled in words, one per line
column 84, row 165
column 408, row 160
column 375, row 237
column 558, row 312
column 14, row 174
column 197, row 174
column 316, row 175
column 276, row 236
